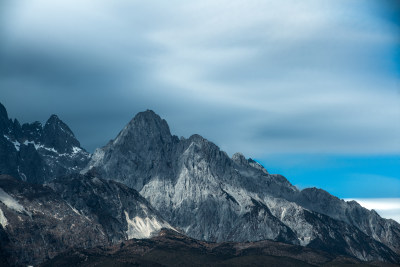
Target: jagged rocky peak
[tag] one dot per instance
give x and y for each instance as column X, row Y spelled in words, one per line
column 313, row 192
column 257, row 165
column 197, row 138
column 200, row 143
column 240, row 159
column 38, row 154
column 196, row 149
column 16, row 128
column 54, row 136
column 3, row 111
column 145, row 127
column 58, row 135
column 3, row 118
column 145, row 143
column 31, row 132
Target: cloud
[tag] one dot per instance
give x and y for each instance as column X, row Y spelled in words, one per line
column 261, row 77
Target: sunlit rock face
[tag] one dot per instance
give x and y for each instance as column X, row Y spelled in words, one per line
column 36, row 153
column 209, row 196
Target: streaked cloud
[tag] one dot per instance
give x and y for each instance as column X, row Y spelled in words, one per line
column 261, row 77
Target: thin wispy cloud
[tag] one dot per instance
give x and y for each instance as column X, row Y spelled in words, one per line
column 300, row 77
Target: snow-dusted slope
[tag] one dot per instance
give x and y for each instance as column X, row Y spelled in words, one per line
column 210, row 196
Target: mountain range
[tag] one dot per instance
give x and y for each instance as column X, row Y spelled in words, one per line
column 55, row 196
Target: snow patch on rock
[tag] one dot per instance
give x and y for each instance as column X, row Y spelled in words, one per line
column 76, row 150
column 3, row 219
column 10, row 202
column 142, row 227
column 73, row 209
column 15, row 143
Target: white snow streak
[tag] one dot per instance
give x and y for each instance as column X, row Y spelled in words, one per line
column 76, row 150
column 10, row 202
column 3, row 219
column 15, row 143
column 73, row 209
column 142, row 227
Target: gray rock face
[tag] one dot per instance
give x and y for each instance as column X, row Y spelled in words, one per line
column 58, row 135
column 146, row 157
column 141, row 135
column 212, row 197
column 38, row 154
column 38, row 222
column 369, row 222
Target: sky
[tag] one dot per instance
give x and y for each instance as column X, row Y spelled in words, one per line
column 310, row 89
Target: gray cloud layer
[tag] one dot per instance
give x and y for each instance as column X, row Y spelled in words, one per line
column 259, row 77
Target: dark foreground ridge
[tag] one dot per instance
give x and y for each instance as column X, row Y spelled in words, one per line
column 170, row 248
